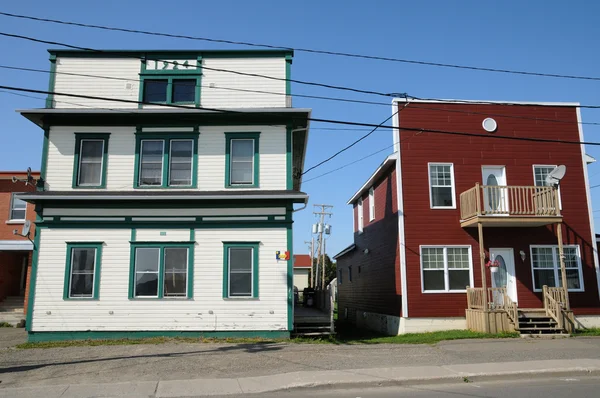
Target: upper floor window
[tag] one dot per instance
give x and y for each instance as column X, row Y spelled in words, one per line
column 441, row 186
column 166, row 160
column 371, row 204
column 545, row 264
column 91, row 155
column 171, row 90
column 242, row 160
column 18, row 209
column 446, row 269
column 361, row 220
column 540, row 172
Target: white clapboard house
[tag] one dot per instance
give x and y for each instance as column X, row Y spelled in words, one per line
column 166, row 210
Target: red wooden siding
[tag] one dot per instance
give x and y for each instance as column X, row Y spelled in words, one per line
column 376, row 288
column 425, row 226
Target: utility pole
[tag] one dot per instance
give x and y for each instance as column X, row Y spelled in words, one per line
column 321, row 211
column 311, row 276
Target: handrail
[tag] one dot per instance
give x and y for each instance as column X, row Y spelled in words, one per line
column 553, row 307
column 475, row 298
column 511, row 309
column 508, row 200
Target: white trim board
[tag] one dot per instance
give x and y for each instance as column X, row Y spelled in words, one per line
column 400, row 204
column 15, row 245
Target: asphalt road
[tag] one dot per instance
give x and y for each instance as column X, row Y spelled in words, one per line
column 555, row 388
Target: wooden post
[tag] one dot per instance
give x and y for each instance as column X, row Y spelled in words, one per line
column 483, row 278
column 563, row 271
column 478, row 199
column 556, row 201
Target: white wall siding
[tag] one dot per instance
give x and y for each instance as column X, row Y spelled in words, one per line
column 127, row 69
column 211, row 157
column 221, row 95
column 162, row 235
column 52, row 313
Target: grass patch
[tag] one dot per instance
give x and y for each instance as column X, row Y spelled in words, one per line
column 587, row 332
column 5, row 325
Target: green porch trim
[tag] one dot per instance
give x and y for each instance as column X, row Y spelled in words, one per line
column 33, row 276
column 44, row 165
column 34, row 337
column 288, row 76
column 290, row 278
column 90, row 136
column 256, row 166
column 97, row 265
column 166, row 137
column 255, row 268
column 161, row 268
column 52, row 82
column 289, row 184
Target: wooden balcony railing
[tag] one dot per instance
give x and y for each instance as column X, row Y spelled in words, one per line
column 484, row 200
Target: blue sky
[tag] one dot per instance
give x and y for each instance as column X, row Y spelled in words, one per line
column 546, row 36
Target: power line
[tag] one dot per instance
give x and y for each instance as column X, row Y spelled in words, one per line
column 330, row 121
column 303, row 49
column 328, row 86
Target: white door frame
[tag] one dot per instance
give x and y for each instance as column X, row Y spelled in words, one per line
column 511, row 278
column 503, row 192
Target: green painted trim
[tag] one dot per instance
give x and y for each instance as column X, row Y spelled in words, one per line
column 289, row 180
column 44, row 165
column 166, row 137
column 288, row 76
column 33, row 276
column 169, row 76
column 52, row 82
column 161, row 268
column 97, row 265
column 256, row 177
column 199, row 81
column 87, row 136
column 173, row 54
column 34, row 337
column 255, row 268
column 192, row 235
column 133, row 234
column 290, row 278
column 176, row 225
column 246, row 204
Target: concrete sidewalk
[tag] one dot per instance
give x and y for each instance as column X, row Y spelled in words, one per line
column 331, row 378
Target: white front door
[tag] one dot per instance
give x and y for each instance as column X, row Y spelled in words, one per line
column 495, row 193
column 504, row 274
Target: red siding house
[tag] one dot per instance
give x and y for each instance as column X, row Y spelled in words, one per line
column 15, row 251
column 466, row 191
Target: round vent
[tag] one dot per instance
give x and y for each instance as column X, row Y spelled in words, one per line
column 489, row 125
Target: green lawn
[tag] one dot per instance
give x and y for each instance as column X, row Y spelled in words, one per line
column 587, row 332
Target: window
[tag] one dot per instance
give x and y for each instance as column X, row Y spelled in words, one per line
column 371, row 204
column 545, row 264
column 91, row 153
column 340, row 275
column 242, row 160
column 441, row 184
column 350, row 274
column 171, row 90
column 161, row 270
column 240, row 270
column 446, row 269
column 18, row 209
column 361, row 220
column 539, row 179
column 82, row 273
column 166, row 162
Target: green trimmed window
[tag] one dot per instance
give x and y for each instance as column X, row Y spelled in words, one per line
column 166, row 161
column 170, row 90
column 161, row 270
column 90, row 160
column 242, row 168
column 82, row 272
column 240, row 269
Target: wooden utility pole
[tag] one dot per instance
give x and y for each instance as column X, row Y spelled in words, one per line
column 311, row 276
column 321, row 211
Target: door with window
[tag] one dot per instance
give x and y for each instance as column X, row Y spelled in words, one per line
column 504, row 274
column 495, row 191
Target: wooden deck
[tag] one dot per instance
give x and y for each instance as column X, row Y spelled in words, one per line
column 309, row 315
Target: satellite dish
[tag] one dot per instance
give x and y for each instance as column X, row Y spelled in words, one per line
column 26, row 228
column 556, row 175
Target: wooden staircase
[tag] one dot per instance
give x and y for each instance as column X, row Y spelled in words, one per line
column 536, row 321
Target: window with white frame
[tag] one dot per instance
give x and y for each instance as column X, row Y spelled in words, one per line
column 441, row 185
column 18, row 209
column 151, row 162
column 371, row 204
column 545, row 264
column 179, row 162
column 539, row 178
column 446, row 268
column 91, row 157
column 361, row 215
column 82, row 270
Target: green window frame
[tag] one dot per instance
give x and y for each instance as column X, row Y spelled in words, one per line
column 161, row 247
column 169, row 76
column 230, row 138
column 167, row 139
column 80, row 139
column 71, row 247
column 227, row 247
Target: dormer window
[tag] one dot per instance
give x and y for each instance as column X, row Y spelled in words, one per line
column 172, row 90
column 171, row 82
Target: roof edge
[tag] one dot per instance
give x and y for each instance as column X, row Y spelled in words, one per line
column 182, row 52
column 484, row 102
column 376, row 174
column 345, row 251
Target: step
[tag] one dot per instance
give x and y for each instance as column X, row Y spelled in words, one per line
column 313, row 334
column 11, row 310
column 313, row 328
